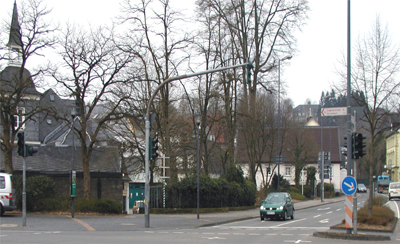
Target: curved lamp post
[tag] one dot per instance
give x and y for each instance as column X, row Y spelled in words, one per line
column 279, row 115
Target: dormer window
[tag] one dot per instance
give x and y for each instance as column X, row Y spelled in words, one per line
column 49, row 122
column 19, row 118
column 52, row 98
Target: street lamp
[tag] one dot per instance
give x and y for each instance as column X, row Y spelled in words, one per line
column 279, row 115
column 198, row 117
column 73, row 172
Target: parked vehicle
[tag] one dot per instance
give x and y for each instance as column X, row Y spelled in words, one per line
column 361, row 188
column 277, row 205
column 138, row 205
column 7, row 192
column 394, row 190
column 383, row 182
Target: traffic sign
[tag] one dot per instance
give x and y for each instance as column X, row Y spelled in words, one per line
column 278, row 159
column 334, row 111
column 349, row 185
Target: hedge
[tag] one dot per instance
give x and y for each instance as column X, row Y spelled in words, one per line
column 214, row 193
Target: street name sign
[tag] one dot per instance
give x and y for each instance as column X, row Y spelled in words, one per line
column 338, row 111
column 349, row 185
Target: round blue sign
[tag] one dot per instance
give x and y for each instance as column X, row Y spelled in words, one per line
column 349, row 185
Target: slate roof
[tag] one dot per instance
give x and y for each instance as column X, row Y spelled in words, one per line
column 56, row 160
column 15, row 30
column 9, row 80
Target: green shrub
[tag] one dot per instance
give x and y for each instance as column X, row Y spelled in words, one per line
column 297, row 196
column 214, row 193
column 308, row 192
column 37, row 189
column 106, row 206
column 294, row 189
column 377, row 201
column 380, row 212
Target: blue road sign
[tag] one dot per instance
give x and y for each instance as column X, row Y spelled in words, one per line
column 349, row 185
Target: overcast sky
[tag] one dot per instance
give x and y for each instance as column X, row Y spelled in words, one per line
column 321, row 44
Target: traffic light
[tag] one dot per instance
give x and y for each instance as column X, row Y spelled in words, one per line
column 21, row 143
column 30, row 150
column 153, row 147
column 249, row 74
column 346, row 146
column 359, row 145
column 23, row 149
column 327, row 171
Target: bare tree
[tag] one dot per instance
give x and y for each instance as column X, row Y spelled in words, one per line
column 154, row 37
column 92, row 70
column 30, row 34
column 262, row 32
column 375, row 77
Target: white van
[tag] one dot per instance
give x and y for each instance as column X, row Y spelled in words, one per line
column 7, row 192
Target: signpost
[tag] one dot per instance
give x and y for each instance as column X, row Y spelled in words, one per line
column 349, row 186
column 334, row 111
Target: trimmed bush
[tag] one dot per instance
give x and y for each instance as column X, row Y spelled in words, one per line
column 214, row 193
column 37, row 189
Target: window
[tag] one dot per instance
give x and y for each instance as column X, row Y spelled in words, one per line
column 19, row 118
column 2, row 182
column 288, row 171
column 52, row 97
column 49, row 122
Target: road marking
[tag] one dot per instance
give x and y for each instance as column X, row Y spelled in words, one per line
column 338, row 209
column 270, row 234
column 254, row 234
column 238, row 234
column 8, row 225
column 324, row 208
column 127, row 224
column 87, row 226
column 287, row 234
column 316, row 216
column 178, row 232
column 293, row 221
column 324, row 221
column 298, row 241
column 329, row 212
column 215, row 237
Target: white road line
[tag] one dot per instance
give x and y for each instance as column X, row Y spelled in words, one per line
column 238, row 234
column 177, row 232
column 290, row 222
column 316, row 216
column 338, row 209
column 329, row 212
column 324, row 208
column 270, row 234
column 254, row 234
column 287, row 234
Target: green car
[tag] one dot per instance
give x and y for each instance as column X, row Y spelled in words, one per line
column 277, row 205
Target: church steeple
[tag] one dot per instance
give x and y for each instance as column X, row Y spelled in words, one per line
column 15, row 42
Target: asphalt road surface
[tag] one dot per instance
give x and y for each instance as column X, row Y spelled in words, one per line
column 90, row 230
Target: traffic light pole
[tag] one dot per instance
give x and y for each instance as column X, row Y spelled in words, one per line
column 148, row 127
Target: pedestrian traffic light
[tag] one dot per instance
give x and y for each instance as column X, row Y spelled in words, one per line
column 21, row 143
column 153, row 147
column 249, row 74
column 359, row 145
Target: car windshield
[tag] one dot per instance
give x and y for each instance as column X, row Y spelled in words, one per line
column 395, row 186
column 361, row 186
column 275, row 198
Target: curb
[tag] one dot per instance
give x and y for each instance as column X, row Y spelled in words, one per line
column 358, row 237
column 335, row 227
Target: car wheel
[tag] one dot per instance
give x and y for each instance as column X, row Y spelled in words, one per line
column 286, row 216
column 262, row 218
column 1, row 210
column 292, row 217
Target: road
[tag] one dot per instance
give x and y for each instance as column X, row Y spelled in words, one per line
column 299, row 230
